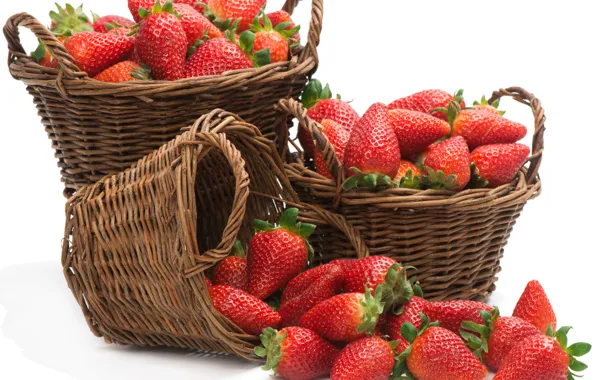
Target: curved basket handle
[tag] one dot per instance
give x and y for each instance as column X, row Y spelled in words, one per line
column 314, row 29
column 531, row 101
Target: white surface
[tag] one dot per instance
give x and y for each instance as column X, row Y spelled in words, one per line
column 402, row 47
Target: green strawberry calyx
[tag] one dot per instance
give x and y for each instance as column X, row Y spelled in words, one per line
column 453, row 109
column 396, row 291
column 142, row 73
column 373, row 307
column 476, row 180
column 247, row 45
column 574, row 351
column 39, row 53
column 238, row 249
column 68, row 21
column 478, row 342
column 410, row 181
column 314, row 92
column 168, row 7
column 410, row 333
column 484, row 103
column 438, row 180
column 267, row 26
column 368, row 180
column 271, row 341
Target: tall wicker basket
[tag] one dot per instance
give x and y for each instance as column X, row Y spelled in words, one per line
column 455, row 240
column 99, row 128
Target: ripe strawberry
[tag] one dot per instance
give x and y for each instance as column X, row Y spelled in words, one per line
column 161, row 42
column 338, row 137
column 136, row 5
column 44, row 57
column 208, row 282
column 428, row 100
column 345, row 264
column 295, row 353
column 368, row 358
column 68, row 21
column 281, row 17
column 535, row 307
column 499, row 163
column 216, row 56
column 496, row 336
column 119, row 31
column 195, row 25
column 447, row 165
column 246, row 311
column 277, row 254
column 367, row 272
column 123, row 72
column 344, row 317
column 408, row 175
column 304, row 280
column 436, row 353
column 197, row 5
column 99, row 23
column 544, row 357
column 372, row 155
column 95, row 52
column 227, row 11
column 416, row 130
column 490, row 108
column 276, row 39
column 451, row 314
column 233, row 270
column 410, row 313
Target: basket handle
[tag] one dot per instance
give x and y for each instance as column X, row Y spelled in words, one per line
column 534, row 103
column 314, row 29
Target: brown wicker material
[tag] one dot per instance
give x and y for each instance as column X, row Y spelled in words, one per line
column 100, row 128
column 137, row 244
column 455, row 240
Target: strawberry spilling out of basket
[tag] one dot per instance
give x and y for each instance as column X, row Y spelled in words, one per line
column 328, row 318
column 428, row 140
column 173, row 39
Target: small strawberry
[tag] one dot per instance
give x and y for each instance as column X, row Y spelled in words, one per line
column 226, row 12
column 95, row 52
column 408, row 175
column 99, row 23
column 276, row 39
column 69, row 21
column 233, row 270
column 277, row 254
column 195, row 25
column 492, row 340
column 345, row 317
column 296, row 353
column 544, row 357
column 372, row 155
column 451, row 314
column 416, row 130
column 124, row 71
column 246, row 311
column 427, row 101
column 447, row 165
column 490, row 108
column 338, row 137
column 368, row 358
column 304, row 280
column 410, row 313
column 498, row 164
column 44, row 57
column 283, row 17
column 535, row 307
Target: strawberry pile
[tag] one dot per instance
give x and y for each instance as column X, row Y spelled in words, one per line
column 428, row 140
column 172, row 40
column 364, row 319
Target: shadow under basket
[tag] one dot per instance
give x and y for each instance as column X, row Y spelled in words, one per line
column 454, row 239
column 137, row 244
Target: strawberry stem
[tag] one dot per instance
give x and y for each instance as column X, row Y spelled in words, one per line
column 271, row 341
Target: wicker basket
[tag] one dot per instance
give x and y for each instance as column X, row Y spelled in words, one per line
column 137, row 244
column 455, row 240
column 100, row 128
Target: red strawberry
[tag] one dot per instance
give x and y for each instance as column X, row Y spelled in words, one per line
column 208, row 282
column 123, row 72
column 95, row 52
column 135, row 6
column 541, row 357
column 44, row 57
column 408, row 175
column 99, row 23
column 428, row 100
column 304, row 280
column 295, row 353
column 451, row 314
column 416, row 130
column 367, row 272
column 276, row 39
column 338, row 137
column 447, row 165
column 496, row 336
column 197, row 5
column 246, row 311
column 227, row 11
column 233, row 270
column 277, row 254
column 195, row 25
column 345, row 264
column 367, row 358
column 216, row 56
column 534, row 307
column 68, row 21
column 410, row 313
column 280, row 17
column 119, row 31
column 372, row 155
column 499, row 163
column 344, row 317
column 161, row 42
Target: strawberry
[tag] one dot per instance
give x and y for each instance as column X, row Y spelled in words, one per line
column 95, row 52
column 123, row 72
column 345, row 317
column 416, row 130
column 195, row 25
column 544, row 357
column 161, row 42
column 498, row 164
column 233, row 270
column 427, row 101
column 345, row 264
column 216, row 56
column 338, row 137
column 226, row 12
column 247, row 312
column 367, row 272
column 296, row 353
column 277, row 254
column 304, row 280
column 99, row 23
column 276, row 39
column 436, row 353
column 410, row 313
column 68, row 21
column 492, row 340
column 447, row 165
column 372, row 155
column 44, row 57
column 119, row 31
column 408, row 175
column 208, row 282
column 451, row 314
column 535, row 307
column 490, row 108
column 197, row 5
column 136, row 5
column 368, row 358
column 283, row 17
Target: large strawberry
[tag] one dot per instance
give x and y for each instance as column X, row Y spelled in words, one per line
column 195, row 25
column 124, row 71
column 226, row 12
column 447, row 165
column 304, row 280
column 68, row 21
column 233, row 270
column 372, row 155
column 276, row 39
column 535, row 307
column 416, row 130
column 161, row 42
column 277, row 253
column 427, row 101
column 95, row 52
column 368, row 358
column 338, row 137
column 101, row 24
column 499, row 163
column 451, row 314
column 410, row 313
column 246, row 311
column 283, row 17
column 492, row 340
column 541, row 357
column 408, row 175
column 216, row 56
column 296, row 353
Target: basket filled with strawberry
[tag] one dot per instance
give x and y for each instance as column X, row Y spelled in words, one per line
column 111, row 89
column 427, row 180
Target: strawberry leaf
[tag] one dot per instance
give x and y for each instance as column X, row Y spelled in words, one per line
column 579, row 349
column 39, row 53
column 238, row 249
column 312, row 93
column 262, row 58
column 288, row 218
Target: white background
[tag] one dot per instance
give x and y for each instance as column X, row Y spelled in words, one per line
column 374, row 52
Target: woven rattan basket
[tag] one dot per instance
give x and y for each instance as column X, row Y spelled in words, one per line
column 455, row 240
column 137, row 244
column 100, row 128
